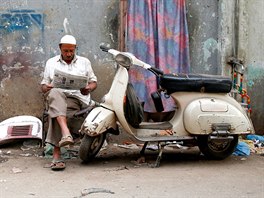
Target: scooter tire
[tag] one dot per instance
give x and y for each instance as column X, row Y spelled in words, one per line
column 90, row 146
column 218, row 151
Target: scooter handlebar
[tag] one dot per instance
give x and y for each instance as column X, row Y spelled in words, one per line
column 104, row 48
column 156, row 71
column 135, row 60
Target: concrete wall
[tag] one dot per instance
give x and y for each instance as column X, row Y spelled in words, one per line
column 220, row 29
column 29, row 35
column 242, row 27
column 203, row 36
column 30, row 31
column 253, row 51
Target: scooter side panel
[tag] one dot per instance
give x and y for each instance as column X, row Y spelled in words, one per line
column 98, row 121
column 203, row 113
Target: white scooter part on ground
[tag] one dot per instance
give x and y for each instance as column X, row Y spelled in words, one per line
column 206, row 115
column 20, row 128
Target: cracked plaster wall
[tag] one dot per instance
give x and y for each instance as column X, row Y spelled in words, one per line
column 252, row 46
column 29, row 35
column 220, row 29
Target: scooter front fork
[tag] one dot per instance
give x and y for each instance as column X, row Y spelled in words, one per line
column 160, row 148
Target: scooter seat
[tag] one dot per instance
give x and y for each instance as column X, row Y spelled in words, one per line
column 195, row 83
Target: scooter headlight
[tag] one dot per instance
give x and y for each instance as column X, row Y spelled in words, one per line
column 123, row 60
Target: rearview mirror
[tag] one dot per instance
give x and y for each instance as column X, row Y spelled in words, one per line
column 123, row 60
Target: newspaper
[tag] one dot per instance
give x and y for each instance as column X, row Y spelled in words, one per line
column 65, row 80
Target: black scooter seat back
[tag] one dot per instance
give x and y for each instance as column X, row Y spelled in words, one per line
column 195, row 83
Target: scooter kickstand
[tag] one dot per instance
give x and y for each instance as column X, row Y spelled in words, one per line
column 157, row 163
column 142, row 152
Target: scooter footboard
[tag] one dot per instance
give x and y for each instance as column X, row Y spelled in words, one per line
column 98, row 121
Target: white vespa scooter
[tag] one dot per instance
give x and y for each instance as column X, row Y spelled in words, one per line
column 206, row 115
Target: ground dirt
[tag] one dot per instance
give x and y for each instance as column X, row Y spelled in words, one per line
column 116, row 173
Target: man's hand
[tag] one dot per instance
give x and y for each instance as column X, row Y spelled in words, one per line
column 89, row 88
column 86, row 90
column 45, row 88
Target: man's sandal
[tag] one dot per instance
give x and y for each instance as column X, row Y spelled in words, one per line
column 67, row 140
column 57, row 165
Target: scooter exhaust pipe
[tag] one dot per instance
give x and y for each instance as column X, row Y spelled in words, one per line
column 221, row 138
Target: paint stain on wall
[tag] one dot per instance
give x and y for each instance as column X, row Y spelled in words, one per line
column 255, row 77
column 17, row 20
column 21, row 40
column 255, row 73
column 209, row 47
column 20, row 29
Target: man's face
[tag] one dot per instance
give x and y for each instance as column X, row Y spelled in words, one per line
column 67, row 52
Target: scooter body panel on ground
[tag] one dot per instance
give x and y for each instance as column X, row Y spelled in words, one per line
column 20, row 127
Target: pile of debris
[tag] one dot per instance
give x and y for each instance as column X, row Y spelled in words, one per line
column 250, row 144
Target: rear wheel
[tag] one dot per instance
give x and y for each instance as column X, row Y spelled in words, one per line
column 90, row 146
column 217, row 149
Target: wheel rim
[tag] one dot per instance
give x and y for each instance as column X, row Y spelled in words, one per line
column 96, row 142
column 218, row 146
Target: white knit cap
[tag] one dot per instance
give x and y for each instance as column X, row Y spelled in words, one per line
column 68, row 39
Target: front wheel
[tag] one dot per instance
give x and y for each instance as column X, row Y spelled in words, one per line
column 216, row 149
column 90, row 146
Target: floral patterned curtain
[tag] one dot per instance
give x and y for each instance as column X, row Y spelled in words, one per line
column 157, row 34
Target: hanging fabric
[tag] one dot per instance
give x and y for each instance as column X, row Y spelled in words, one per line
column 157, row 34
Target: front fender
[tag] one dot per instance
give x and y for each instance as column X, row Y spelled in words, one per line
column 98, row 121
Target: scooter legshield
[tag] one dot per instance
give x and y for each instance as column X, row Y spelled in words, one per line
column 98, row 121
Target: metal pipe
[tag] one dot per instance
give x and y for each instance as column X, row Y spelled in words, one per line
column 236, row 29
